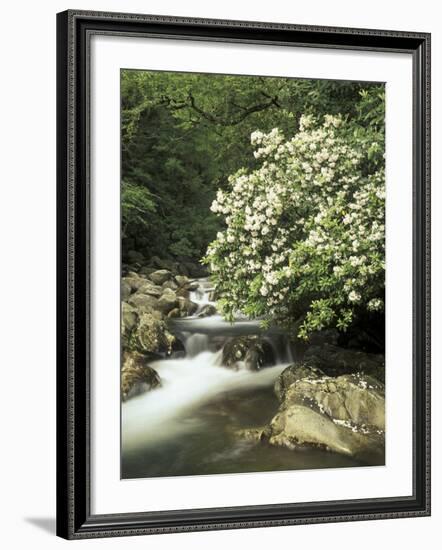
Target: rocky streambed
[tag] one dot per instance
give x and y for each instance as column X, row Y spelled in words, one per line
column 202, row 396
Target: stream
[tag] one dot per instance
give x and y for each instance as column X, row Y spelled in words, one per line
column 187, row 426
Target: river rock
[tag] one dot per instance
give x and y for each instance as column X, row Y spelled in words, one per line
column 303, row 425
column 152, row 335
column 193, row 285
column 250, row 434
column 160, row 276
column 144, row 303
column 170, row 284
column 344, row 414
column 126, row 290
column 150, row 289
column 129, row 319
column 174, row 313
column 207, row 311
column 167, row 301
column 186, row 306
column 250, row 352
column 292, row 374
column 134, row 282
column 137, row 376
column 145, row 271
column 335, row 361
column 181, row 280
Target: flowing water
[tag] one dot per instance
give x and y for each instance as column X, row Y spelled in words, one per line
column 188, row 425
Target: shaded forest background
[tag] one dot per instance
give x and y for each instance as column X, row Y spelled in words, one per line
column 183, row 134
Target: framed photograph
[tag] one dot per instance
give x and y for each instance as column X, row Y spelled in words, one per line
column 243, row 274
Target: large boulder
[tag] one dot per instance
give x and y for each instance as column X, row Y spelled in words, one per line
column 129, row 319
column 160, row 276
column 143, row 303
column 126, row 290
column 335, row 361
column 344, row 414
column 137, row 376
column 302, row 426
column 171, row 284
column 149, row 288
column 181, row 280
column 152, row 335
column 249, row 352
column 292, row 374
column 133, row 281
column 167, row 301
column 146, row 270
column 186, row 306
column 174, row 313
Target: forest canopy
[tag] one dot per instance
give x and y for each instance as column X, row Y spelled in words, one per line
column 184, row 134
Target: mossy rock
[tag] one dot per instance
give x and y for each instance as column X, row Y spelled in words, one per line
column 137, row 376
column 250, row 352
column 344, row 414
column 292, row 374
column 152, row 335
column 336, row 361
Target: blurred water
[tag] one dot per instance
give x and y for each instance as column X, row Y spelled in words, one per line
column 187, row 427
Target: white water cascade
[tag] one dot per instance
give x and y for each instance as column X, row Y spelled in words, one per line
column 191, row 424
column 197, row 378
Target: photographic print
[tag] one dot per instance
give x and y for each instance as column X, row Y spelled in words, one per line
column 252, row 275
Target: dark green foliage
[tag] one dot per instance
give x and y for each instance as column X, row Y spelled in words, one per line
column 183, row 134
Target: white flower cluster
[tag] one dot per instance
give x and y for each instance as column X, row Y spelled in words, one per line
column 308, row 224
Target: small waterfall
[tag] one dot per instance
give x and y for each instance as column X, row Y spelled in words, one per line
column 201, row 295
column 196, row 344
column 156, row 416
column 199, row 376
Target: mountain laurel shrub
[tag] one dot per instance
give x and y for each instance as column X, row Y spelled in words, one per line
column 303, row 237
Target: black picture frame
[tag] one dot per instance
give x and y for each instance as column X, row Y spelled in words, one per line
column 74, row 518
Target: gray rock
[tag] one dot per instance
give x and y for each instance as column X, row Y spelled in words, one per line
column 181, row 280
column 150, row 289
column 250, row 352
column 344, row 414
column 193, row 285
column 144, row 303
column 303, row 426
column 134, row 283
column 167, row 301
column 335, row 361
column 129, row 319
column 137, row 376
column 186, row 306
column 152, row 335
column 126, row 290
column 250, row 434
column 207, row 311
column 170, row 284
column 292, row 374
column 174, row 313
column 146, row 270
column 160, row 276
